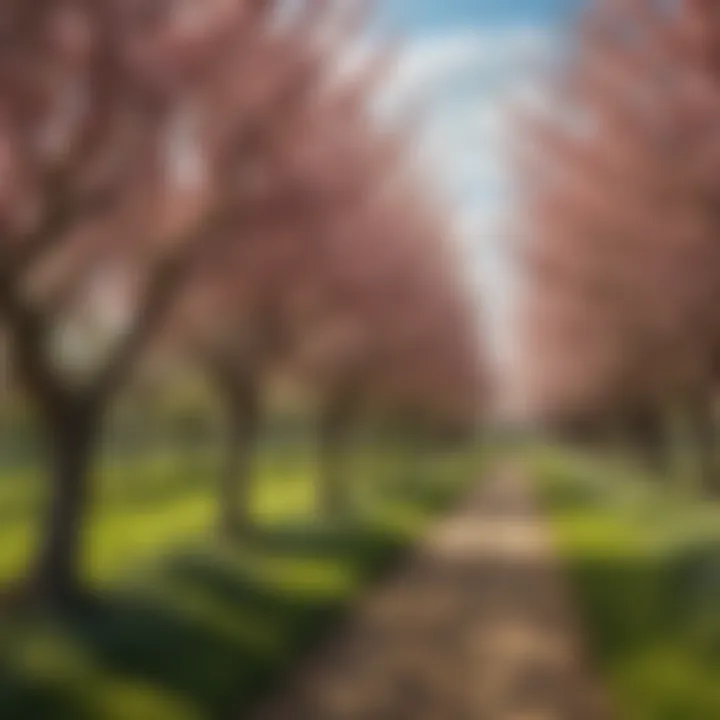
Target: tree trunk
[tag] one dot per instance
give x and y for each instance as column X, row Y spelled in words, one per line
column 235, row 487
column 56, row 576
column 648, row 434
column 334, row 429
column 702, row 429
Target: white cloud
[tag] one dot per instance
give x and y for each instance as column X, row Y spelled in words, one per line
column 431, row 62
column 468, row 81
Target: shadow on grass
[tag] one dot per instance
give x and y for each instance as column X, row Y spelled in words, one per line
column 211, row 665
column 646, row 574
column 21, row 698
column 427, row 495
column 355, row 544
column 204, row 633
column 654, row 626
column 204, row 628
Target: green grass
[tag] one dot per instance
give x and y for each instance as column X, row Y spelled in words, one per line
column 645, row 560
column 180, row 626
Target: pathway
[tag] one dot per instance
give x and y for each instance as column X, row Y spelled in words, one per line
column 477, row 626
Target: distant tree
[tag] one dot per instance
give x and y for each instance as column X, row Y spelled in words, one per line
column 241, row 318
column 394, row 328
column 619, row 240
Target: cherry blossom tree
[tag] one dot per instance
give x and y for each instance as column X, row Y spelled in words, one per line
column 130, row 136
column 620, row 190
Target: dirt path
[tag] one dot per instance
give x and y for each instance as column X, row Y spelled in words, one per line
column 477, row 626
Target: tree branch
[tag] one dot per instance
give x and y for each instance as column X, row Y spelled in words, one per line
column 31, row 356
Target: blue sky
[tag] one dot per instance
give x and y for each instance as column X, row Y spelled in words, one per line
column 420, row 16
column 468, row 62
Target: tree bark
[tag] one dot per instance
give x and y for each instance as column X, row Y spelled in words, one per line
column 56, row 573
column 703, row 432
column 235, row 486
column 648, row 434
column 334, row 429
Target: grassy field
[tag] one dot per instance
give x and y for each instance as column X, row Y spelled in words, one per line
column 645, row 559
column 182, row 627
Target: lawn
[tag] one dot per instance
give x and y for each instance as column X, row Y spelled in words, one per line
column 182, row 627
column 644, row 556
